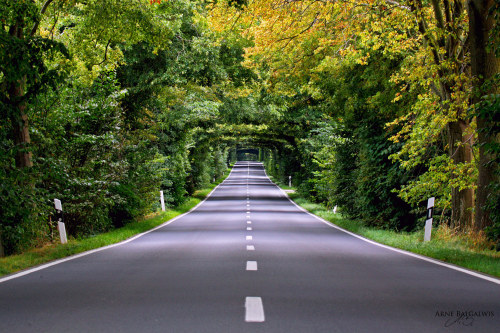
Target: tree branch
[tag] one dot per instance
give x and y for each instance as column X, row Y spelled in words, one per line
column 42, row 11
column 105, row 54
column 300, row 33
column 447, row 11
column 397, row 4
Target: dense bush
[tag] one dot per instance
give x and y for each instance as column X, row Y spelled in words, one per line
column 343, row 159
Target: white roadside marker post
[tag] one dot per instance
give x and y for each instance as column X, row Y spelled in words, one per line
column 335, row 209
column 60, row 222
column 428, row 222
column 162, row 201
column 289, row 181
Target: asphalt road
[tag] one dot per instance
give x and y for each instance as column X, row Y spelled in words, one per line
column 248, row 260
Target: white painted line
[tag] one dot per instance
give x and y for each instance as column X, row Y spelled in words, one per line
column 250, row 248
column 248, row 216
column 251, row 265
column 249, row 222
column 254, row 310
column 249, row 228
column 249, row 238
column 248, row 212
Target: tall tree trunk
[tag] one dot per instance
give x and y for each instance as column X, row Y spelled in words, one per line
column 20, row 126
column 447, row 38
column 460, row 151
column 484, row 65
column 19, row 119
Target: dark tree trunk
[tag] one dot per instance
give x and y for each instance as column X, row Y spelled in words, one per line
column 20, row 127
column 19, row 119
column 484, row 65
column 462, row 201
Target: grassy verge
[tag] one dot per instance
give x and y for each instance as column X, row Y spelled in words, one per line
column 445, row 245
column 52, row 252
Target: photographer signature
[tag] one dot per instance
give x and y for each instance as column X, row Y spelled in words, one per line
column 463, row 320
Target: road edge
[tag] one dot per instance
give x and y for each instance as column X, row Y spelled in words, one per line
column 476, row 274
column 107, row 247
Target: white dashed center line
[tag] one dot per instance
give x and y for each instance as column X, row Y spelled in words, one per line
column 249, row 237
column 250, row 248
column 254, row 310
column 251, row 265
column 249, row 228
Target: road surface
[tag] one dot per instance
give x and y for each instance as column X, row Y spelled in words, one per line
column 248, row 260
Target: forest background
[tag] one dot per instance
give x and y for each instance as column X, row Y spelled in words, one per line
column 372, row 106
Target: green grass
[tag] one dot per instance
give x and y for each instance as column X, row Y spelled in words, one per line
column 454, row 249
column 34, row 257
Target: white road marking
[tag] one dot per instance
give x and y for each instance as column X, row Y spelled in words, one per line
column 248, row 216
column 410, row 254
column 249, row 222
column 248, row 212
column 249, row 238
column 250, row 248
column 83, row 254
column 254, row 310
column 249, row 228
column 251, row 265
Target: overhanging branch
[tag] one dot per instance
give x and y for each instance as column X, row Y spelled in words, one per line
column 42, row 11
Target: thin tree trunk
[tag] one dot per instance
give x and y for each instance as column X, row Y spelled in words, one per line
column 484, row 65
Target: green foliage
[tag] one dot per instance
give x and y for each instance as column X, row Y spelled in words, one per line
column 127, row 121
column 342, row 143
column 158, row 96
column 34, row 257
column 489, row 108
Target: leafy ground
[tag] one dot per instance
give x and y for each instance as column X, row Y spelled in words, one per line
column 50, row 252
column 445, row 245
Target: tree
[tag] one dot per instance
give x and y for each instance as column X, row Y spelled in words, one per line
column 292, row 38
column 485, row 63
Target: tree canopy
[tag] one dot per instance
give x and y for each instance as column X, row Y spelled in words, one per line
column 371, row 105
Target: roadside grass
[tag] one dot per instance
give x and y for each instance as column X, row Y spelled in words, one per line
column 445, row 245
column 53, row 251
